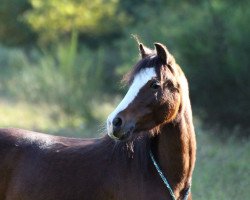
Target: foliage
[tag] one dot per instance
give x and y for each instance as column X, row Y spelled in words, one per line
column 219, row 61
column 13, row 31
column 209, row 39
column 62, row 77
column 55, row 18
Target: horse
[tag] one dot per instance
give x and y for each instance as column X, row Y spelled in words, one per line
column 148, row 152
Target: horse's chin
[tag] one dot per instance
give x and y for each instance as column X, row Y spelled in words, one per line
column 134, row 134
column 123, row 136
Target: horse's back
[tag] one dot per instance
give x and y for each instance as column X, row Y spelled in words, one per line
column 21, row 136
column 44, row 167
column 9, row 155
column 40, row 166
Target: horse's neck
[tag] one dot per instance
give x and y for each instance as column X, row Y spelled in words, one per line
column 176, row 150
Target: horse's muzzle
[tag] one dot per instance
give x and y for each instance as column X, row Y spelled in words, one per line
column 119, row 129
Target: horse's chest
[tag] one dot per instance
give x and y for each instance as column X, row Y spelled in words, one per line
column 137, row 188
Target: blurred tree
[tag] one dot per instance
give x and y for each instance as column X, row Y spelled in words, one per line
column 13, row 30
column 209, row 38
column 52, row 19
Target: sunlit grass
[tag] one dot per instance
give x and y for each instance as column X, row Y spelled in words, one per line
column 50, row 119
column 222, row 168
column 28, row 116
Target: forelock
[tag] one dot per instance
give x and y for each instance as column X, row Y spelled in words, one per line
column 150, row 61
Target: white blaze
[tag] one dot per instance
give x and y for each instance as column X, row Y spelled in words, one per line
column 139, row 81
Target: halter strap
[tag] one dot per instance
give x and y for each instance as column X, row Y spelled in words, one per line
column 164, row 179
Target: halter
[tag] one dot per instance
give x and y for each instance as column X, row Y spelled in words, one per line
column 164, row 179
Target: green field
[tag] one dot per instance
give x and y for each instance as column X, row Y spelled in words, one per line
column 222, row 169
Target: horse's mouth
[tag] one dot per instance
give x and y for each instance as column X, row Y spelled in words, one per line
column 126, row 135
column 119, row 129
column 122, row 134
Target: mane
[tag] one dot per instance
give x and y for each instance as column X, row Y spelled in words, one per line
column 151, row 60
column 133, row 153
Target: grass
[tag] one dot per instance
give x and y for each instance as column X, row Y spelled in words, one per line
column 222, row 169
column 50, row 118
column 27, row 116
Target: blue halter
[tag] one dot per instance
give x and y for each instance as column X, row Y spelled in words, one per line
column 164, row 179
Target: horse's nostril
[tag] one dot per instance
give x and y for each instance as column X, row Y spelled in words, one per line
column 117, row 122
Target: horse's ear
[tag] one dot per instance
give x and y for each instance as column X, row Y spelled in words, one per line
column 144, row 51
column 162, row 52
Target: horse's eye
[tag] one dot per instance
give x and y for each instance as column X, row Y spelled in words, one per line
column 155, row 85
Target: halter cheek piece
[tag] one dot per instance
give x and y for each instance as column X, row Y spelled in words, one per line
column 164, row 179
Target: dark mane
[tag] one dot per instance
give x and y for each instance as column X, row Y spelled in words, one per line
column 147, row 62
column 132, row 153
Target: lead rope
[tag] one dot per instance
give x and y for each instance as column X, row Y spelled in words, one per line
column 164, row 179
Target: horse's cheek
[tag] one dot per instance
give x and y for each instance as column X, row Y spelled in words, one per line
column 174, row 104
column 169, row 104
column 177, row 101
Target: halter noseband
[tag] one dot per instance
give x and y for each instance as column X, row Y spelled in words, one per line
column 164, row 179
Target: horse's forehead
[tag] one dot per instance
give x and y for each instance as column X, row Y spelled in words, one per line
column 140, row 79
column 146, row 72
column 143, row 76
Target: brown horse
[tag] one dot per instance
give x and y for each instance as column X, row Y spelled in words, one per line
column 153, row 121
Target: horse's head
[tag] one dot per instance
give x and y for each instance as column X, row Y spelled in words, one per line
column 154, row 97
